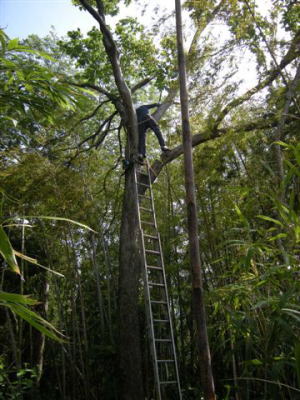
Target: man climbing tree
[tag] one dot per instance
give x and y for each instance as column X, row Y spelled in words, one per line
column 146, row 121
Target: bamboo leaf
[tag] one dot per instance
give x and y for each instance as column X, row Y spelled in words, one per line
column 7, row 251
column 36, row 321
column 279, row 236
column 12, row 44
column 275, row 221
column 58, row 219
column 18, row 304
column 17, row 298
column 293, row 313
column 280, row 143
column 34, row 261
column 36, row 52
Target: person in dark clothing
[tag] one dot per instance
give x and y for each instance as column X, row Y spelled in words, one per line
column 146, row 121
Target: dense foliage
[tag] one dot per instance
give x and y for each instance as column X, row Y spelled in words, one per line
column 61, row 152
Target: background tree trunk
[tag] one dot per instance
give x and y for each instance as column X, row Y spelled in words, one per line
column 197, row 286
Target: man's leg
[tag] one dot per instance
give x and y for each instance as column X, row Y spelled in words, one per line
column 152, row 124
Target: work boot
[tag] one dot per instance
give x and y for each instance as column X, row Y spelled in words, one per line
column 141, row 158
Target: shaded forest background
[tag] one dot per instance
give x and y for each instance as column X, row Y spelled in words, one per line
column 61, row 151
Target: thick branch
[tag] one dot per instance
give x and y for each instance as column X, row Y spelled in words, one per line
column 97, row 88
column 141, row 84
column 125, row 107
column 207, row 135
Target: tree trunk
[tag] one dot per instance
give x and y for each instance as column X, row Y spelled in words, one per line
column 38, row 339
column 197, row 286
column 131, row 384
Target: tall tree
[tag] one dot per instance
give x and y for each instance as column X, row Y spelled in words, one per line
column 130, row 356
column 131, row 382
column 192, row 222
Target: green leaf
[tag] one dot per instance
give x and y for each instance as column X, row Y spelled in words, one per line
column 36, row 321
column 12, row 44
column 2, row 40
column 255, row 361
column 17, row 298
column 36, row 52
column 280, row 143
column 275, row 221
column 7, row 251
column 240, row 214
column 34, row 261
column 279, row 236
column 294, row 313
column 18, row 304
column 58, row 219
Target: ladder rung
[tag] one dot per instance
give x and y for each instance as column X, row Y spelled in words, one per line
column 145, row 197
column 146, row 209
column 164, row 340
column 143, row 184
column 158, row 302
column 156, row 284
column 143, row 173
column 161, row 320
column 167, row 382
column 148, row 223
column 166, row 361
column 150, row 236
column 152, row 252
column 153, row 267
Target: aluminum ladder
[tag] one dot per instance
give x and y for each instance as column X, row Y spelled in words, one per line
column 156, row 292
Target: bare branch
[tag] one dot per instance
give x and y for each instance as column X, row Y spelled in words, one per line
column 207, row 135
column 104, row 134
column 97, row 88
column 125, row 107
column 89, row 116
column 94, row 135
column 140, row 84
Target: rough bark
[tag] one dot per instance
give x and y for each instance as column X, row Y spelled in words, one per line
column 131, row 382
column 198, row 306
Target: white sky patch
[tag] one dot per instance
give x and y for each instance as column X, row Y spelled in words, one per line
column 22, row 17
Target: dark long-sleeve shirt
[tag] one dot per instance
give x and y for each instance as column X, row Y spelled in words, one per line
column 143, row 111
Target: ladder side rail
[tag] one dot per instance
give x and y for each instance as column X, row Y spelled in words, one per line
column 166, row 289
column 151, row 196
column 170, row 321
column 147, row 294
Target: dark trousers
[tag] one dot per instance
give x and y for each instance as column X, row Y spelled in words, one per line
column 148, row 123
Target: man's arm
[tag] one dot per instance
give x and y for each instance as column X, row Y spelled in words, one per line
column 152, row 105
